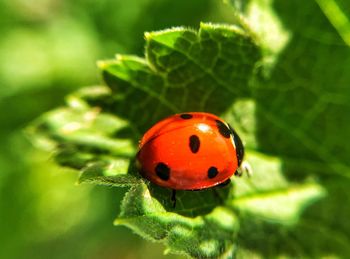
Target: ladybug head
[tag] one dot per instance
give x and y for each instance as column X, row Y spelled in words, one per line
column 239, row 145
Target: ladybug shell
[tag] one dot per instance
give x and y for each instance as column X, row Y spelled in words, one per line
column 189, row 151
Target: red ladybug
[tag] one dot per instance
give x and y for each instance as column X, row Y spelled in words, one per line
column 190, row 151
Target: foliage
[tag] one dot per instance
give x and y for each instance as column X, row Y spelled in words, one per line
column 279, row 76
column 48, row 49
column 184, row 70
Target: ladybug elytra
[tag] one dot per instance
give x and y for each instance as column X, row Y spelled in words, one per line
column 190, row 151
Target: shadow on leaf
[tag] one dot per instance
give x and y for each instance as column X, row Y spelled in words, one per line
column 191, row 203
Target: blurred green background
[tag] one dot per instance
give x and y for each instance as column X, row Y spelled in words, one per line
column 49, row 48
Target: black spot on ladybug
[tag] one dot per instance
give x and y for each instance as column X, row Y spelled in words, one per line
column 162, row 171
column 238, row 144
column 212, row 172
column 223, row 129
column 186, row 116
column 194, row 143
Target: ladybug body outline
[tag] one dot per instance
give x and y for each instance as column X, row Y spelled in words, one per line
column 190, row 151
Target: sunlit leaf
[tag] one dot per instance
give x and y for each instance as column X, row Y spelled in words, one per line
column 216, row 70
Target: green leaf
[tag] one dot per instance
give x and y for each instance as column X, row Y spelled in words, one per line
column 87, row 128
column 200, row 237
column 110, row 174
column 211, row 70
column 215, row 233
column 281, row 205
column 302, row 109
column 184, row 70
column 274, row 200
column 87, row 139
column 309, row 106
column 337, row 17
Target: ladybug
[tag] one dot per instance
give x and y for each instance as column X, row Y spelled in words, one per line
column 190, row 151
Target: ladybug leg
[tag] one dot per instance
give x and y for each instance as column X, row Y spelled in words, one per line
column 238, row 173
column 173, row 198
column 245, row 168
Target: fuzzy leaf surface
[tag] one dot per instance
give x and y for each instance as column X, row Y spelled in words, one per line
column 302, row 116
column 211, row 70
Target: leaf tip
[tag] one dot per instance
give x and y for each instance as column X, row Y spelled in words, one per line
column 166, row 32
column 119, row 57
column 118, row 222
column 147, row 35
column 101, row 64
